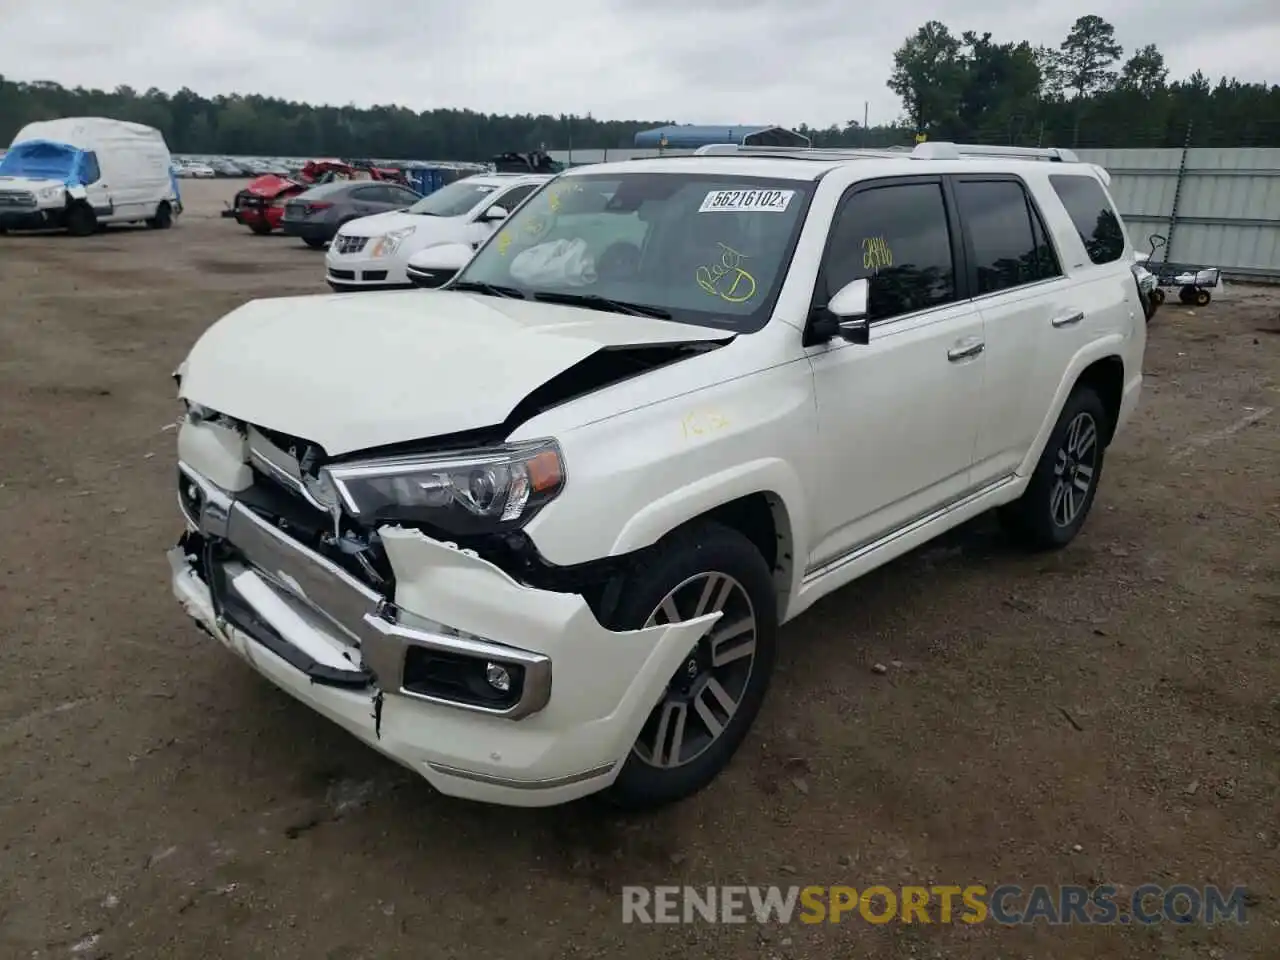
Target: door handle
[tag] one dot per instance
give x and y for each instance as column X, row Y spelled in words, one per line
column 1067, row 320
column 966, row 349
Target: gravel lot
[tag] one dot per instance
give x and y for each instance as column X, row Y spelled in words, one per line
column 1107, row 714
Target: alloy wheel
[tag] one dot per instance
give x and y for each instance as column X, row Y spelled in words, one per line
column 1074, row 470
column 706, row 689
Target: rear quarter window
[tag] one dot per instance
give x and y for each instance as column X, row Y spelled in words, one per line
column 1092, row 215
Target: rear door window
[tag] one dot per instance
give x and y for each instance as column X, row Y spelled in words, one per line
column 1006, row 244
column 1093, row 216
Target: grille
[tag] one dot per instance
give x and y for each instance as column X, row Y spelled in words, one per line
column 17, row 198
column 345, row 244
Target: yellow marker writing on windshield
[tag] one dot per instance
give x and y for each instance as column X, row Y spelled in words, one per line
column 727, row 278
column 504, row 241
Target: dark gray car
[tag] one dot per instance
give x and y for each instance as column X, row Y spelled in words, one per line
column 316, row 215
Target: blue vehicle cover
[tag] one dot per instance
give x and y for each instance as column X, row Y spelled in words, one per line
column 44, row 160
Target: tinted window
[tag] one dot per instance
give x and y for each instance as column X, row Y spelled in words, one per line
column 1046, row 258
column 453, row 200
column 326, row 190
column 89, row 172
column 1002, row 234
column 513, row 198
column 370, row 195
column 899, row 238
column 1094, row 219
column 403, row 197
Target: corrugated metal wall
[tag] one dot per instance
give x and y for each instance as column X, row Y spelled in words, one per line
column 1227, row 207
column 1220, row 207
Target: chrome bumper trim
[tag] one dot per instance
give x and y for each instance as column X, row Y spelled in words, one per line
column 548, row 784
column 366, row 619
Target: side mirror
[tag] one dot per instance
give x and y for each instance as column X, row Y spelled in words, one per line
column 494, row 214
column 849, row 308
column 436, row 266
column 1157, row 241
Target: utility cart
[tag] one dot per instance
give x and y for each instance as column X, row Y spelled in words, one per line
column 1192, row 281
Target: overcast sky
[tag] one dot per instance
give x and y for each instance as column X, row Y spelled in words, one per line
column 693, row 61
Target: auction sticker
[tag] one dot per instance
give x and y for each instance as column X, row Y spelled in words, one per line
column 746, row 201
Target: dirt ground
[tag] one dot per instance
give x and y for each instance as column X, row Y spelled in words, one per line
column 1107, row 714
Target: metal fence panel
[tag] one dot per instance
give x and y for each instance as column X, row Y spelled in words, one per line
column 1226, row 213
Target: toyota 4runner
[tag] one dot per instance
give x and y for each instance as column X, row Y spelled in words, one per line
column 534, row 536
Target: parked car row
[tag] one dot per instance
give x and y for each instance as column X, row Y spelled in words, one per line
column 228, row 167
column 375, row 219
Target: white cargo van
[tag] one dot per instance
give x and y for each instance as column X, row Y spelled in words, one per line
column 79, row 172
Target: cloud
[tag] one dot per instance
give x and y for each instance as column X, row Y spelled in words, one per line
column 694, row 61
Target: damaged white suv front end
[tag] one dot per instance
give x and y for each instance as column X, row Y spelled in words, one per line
column 324, row 580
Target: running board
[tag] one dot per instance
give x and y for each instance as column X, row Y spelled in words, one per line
column 829, row 567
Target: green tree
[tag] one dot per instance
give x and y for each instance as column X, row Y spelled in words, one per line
column 927, row 74
column 999, row 87
column 1086, row 57
column 1145, row 71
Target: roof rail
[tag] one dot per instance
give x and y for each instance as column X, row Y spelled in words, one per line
column 798, row 153
column 946, row 150
column 936, row 150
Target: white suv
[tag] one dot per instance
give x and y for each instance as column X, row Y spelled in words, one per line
column 537, row 540
column 371, row 253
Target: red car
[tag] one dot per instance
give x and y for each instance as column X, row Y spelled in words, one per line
column 260, row 205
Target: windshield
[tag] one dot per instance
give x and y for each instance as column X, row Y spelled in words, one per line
column 702, row 248
column 40, row 160
column 454, row 200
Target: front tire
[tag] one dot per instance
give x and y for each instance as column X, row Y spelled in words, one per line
column 81, row 220
column 313, row 243
column 714, row 696
column 1056, row 502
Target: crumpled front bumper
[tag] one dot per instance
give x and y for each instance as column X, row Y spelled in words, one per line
column 337, row 645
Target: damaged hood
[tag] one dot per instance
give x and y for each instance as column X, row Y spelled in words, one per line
column 352, row 371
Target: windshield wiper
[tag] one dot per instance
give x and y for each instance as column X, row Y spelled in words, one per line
column 594, row 301
column 489, row 289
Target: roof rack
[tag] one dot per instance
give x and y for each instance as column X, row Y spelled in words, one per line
column 936, row 150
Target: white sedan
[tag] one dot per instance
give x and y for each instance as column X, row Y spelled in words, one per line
column 193, row 168
column 371, row 253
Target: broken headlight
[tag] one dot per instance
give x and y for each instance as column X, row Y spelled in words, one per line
column 470, row 492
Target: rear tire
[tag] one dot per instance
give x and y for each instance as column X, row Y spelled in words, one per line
column 81, row 220
column 1203, row 297
column 716, row 693
column 261, row 229
column 163, row 219
column 1056, row 502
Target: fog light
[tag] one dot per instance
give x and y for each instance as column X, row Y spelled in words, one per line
column 497, row 676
